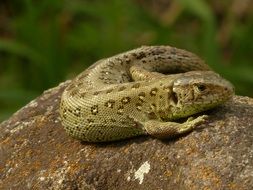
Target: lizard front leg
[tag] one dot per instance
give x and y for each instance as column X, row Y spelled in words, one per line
column 162, row 130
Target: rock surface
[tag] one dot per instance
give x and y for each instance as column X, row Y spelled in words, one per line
column 35, row 153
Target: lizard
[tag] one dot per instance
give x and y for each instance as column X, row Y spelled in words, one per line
column 144, row 91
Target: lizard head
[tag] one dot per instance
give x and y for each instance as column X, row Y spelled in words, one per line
column 198, row 91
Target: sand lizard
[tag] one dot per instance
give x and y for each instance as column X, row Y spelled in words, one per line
column 136, row 93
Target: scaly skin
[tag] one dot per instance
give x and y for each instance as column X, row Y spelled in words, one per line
column 133, row 94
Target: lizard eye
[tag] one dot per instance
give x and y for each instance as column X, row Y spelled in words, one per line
column 201, row 87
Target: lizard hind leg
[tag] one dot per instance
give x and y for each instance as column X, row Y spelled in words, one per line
column 164, row 130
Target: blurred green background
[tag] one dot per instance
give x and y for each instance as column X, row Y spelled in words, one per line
column 43, row 43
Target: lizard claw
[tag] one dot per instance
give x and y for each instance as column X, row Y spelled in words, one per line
column 200, row 120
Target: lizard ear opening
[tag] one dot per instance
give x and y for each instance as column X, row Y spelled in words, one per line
column 174, row 97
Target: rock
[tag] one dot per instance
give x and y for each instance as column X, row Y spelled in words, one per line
column 36, row 153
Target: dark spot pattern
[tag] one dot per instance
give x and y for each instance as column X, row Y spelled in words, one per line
column 138, row 106
column 110, row 64
column 141, row 55
column 141, row 96
column 83, row 94
column 70, row 87
column 82, row 76
column 136, row 85
column 125, row 77
column 74, row 92
column 101, row 78
column 79, row 84
column 109, row 91
column 108, row 82
column 153, row 106
column 105, row 72
column 77, row 125
column 94, row 110
column 153, row 91
column 95, row 93
column 135, row 124
column 151, row 115
column 113, row 120
column 127, row 60
column 162, row 114
column 71, row 131
column 166, row 88
column 121, row 88
column 125, row 100
column 70, row 110
column 120, row 110
column 64, row 115
column 89, row 120
column 124, row 122
column 110, row 103
column 77, row 112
